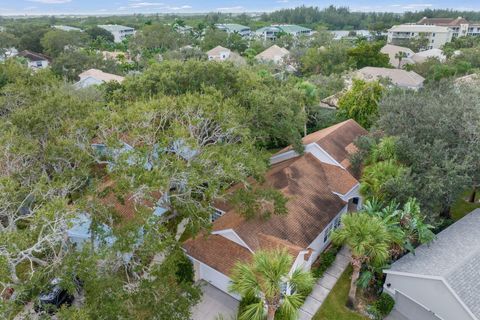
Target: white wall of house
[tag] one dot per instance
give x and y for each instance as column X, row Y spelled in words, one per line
column 232, row 236
column 312, row 148
column 432, row 294
column 353, row 193
column 212, row 276
column 319, row 244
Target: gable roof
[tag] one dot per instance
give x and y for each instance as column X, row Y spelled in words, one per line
column 446, row 22
column 454, row 256
column 274, row 53
column 33, row 56
column 100, row 75
column 401, row 78
column 310, row 187
column 337, row 140
column 392, row 50
column 217, row 51
column 422, row 56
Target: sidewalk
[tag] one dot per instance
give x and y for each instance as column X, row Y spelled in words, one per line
column 324, row 285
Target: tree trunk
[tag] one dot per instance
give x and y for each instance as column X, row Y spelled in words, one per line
column 473, row 194
column 352, row 294
column 271, row 310
column 446, row 213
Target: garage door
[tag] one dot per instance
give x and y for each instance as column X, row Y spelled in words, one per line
column 215, row 278
column 411, row 309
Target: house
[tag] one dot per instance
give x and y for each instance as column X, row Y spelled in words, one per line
column 95, row 77
column 392, row 51
column 320, row 186
column 6, row 53
column 422, row 56
column 398, row 77
column 119, row 32
column 352, row 34
column 67, row 28
column 219, row 53
column 35, row 60
column 230, row 28
column 460, row 26
column 274, row 54
column 441, row 280
column 271, row 32
column 436, row 36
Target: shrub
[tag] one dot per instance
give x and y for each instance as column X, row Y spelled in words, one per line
column 185, row 270
column 384, row 304
column 245, row 302
column 326, row 259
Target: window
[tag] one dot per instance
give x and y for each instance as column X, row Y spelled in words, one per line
column 326, row 235
column 39, row 63
column 355, row 200
column 337, row 222
column 433, row 34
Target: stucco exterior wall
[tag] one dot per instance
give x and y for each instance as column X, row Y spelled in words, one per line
column 433, row 294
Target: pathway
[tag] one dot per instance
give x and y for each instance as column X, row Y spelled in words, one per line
column 324, row 285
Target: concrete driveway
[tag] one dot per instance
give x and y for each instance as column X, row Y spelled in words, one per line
column 215, row 304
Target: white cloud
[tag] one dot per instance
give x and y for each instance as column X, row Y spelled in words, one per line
column 51, row 1
column 282, row 1
column 145, row 4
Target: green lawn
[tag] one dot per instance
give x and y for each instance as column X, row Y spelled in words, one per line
column 461, row 207
column 334, row 306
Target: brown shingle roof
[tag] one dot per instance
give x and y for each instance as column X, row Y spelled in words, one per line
column 312, row 204
column 336, row 140
column 217, row 251
column 444, row 22
column 33, row 56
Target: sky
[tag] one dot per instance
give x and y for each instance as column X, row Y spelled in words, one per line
column 103, row 7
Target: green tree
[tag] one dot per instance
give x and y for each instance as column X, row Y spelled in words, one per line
column 55, row 42
column 367, row 54
column 368, row 240
column 96, row 32
column 214, row 37
column 265, row 277
column 361, row 102
column 377, row 176
column 157, row 38
column 400, row 56
column 326, row 60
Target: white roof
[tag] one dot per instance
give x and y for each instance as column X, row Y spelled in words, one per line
column 418, row 28
column 114, row 27
column 274, row 53
column 422, row 56
column 454, row 256
column 398, row 77
column 100, row 75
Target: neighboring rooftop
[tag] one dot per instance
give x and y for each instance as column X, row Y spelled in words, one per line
column 100, row 75
column 274, row 53
column 114, row 27
column 33, row 56
column 217, row 51
column 232, row 27
column 287, row 28
column 453, row 256
column 67, row 28
column 446, row 22
column 398, row 77
column 422, row 56
column 392, row 51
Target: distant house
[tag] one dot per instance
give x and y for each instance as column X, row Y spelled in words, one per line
column 119, row 32
column 274, row 54
column 398, row 77
column 459, row 26
column 219, row 53
column 271, row 32
column 35, row 60
column 351, row 34
column 422, row 56
column 320, row 188
column 95, row 77
column 436, row 36
column 230, row 28
column 6, row 53
column 441, row 281
column 67, row 28
column 393, row 50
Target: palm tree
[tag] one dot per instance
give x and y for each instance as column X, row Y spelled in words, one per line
column 376, row 175
column 368, row 240
column 400, row 55
column 266, row 278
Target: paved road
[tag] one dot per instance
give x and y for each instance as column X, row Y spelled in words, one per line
column 324, row 285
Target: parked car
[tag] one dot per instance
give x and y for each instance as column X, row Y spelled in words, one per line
column 55, row 297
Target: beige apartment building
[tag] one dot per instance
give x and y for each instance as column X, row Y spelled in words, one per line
column 437, row 35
